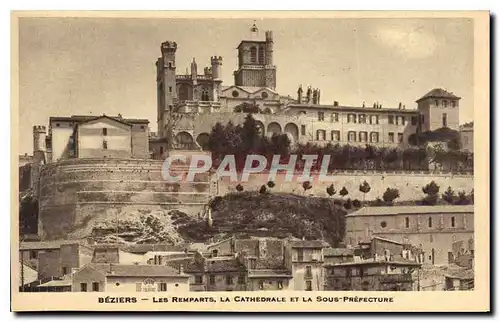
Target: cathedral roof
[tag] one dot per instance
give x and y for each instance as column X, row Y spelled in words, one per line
column 438, row 93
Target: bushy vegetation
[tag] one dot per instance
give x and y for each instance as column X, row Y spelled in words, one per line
column 242, row 140
column 278, row 215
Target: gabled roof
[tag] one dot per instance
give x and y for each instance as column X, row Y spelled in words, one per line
column 86, row 118
column 250, row 89
column 107, row 117
column 308, row 244
column 438, row 93
column 136, row 270
column 229, row 264
column 411, row 210
column 331, row 252
column 50, row 244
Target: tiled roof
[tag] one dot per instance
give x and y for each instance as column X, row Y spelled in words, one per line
column 224, row 265
column 371, row 261
column 136, row 270
column 308, row 244
column 51, row 244
column 270, row 273
column 56, row 283
column 462, row 274
column 411, row 210
column 339, row 108
column 86, row 118
column 387, row 240
column 438, row 93
column 330, row 251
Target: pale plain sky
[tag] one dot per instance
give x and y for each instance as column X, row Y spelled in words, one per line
column 107, row 65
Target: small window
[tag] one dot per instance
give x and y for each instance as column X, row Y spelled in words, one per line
column 163, row 287
column 280, row 284
column 308, row 271
column 422, row 119
column 169, row 64
column 142, row 127
column 453, row 104
column 374, row 137
column 430, row 222
column 452, row 221
column 83, row 287
column 320, row 135
column 363, row 136
column 362, row 118
column 105, row 145
column 436, row 102
column 308, row 285
column 383, row 224
column 261, row 285
column 64, row 270
column 264, row 95
column 303, row 130
column 351, row 118
column 445, row 120
column 95, row 287
column 241, row 279
column 391, row 119
column 104, row 131
column 445, row 103
column 321, row 116
column 229, row 280
column 235, row 93
column 198, row 279
column 33, row 254
column 414, row 120
column 170, row 89
column 391, row 137
column 400, row 137
column 407, row 222
column 403, row 120
column 57, row 124
column 335, row 117
column 335, row 135
column 212, row 280
column 351, row 136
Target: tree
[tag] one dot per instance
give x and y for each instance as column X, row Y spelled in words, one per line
column 348, row 204
column 263, row 189
column 239, row 187
column 330, row 190
column 432, row 192
column 364, row 188
column 306, row 185
column 449, row 196
column 356, row 203
column 343, row 192
column 462, row 199
column 390, row 195
column 271, row 184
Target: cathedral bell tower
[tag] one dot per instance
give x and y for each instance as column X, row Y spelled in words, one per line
column 255, row 61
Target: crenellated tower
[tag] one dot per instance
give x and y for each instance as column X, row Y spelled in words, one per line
column 166, row 84
column 255, row 61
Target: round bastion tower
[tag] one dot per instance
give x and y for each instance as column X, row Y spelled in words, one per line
column 39, row 135
column 216, row 62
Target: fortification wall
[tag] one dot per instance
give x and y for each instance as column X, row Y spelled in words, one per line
column 410, row 184
column 74, row 192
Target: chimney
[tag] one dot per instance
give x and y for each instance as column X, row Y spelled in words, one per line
column 335, row 103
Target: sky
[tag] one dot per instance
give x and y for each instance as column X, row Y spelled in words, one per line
column 101, row 66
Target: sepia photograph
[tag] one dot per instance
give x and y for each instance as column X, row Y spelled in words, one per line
column 176, row 157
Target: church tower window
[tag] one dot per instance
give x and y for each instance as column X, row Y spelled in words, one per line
column 261, row 55
column 253, row 55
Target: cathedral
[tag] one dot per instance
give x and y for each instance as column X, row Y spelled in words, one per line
column 190, row 104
